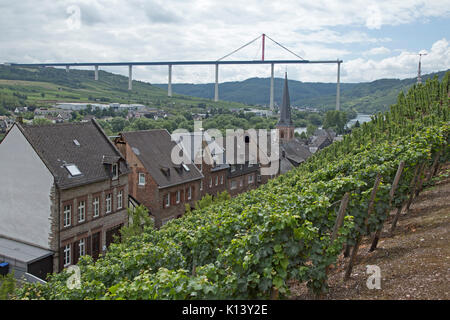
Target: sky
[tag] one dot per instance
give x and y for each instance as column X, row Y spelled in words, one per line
column 375, row 39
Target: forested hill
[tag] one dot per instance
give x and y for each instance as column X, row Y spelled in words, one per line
column 366, row 97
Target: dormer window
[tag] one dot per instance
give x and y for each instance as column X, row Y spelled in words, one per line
column 115, row 171
column 166, row 171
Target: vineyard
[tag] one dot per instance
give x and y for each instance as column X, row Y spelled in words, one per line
column 294, row 227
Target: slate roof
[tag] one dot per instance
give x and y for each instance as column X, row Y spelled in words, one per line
column 55, row 145
column 154, row 149
column 321, row 141
column 193, row 143
column 296, row 151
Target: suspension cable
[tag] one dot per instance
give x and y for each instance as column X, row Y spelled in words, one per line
column 285, row 48
column 239, row 48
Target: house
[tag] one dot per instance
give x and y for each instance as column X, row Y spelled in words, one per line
column 245, row 160
column 292, row 150
column 160, row 184
column 207, row 155
column 64, row 190
column 3, row 126
column 20, row 110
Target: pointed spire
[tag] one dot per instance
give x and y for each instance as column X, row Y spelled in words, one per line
column 285, row 111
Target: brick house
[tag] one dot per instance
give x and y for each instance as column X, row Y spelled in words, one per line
column 64, row 190
column 155, row 181
column 205, row 154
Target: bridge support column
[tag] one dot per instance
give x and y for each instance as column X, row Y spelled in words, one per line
column 338, row 89
column 271, row 87
column 130, row 76
column 67, row 68
column 96, row 73
column 169, row 86
column 216, row 87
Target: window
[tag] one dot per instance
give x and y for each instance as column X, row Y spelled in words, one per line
column 241, row 183
column 115, row 171
column 201, row 167
column 108, row 203
column 82, row 247
column 141, row 179
column 67, row 215
column 210, row 182
column 189, row 193
column 167, row 200
column 81, row 211
column 178, row 196
column 217, row 180
column 73, row 170
column 201, row 185
column 96, row 205
column 67, row 255
column 186, row 167
column 233, row 184
column 221, row 179
column 250, row 179
column 259, row 177
column 120, row 199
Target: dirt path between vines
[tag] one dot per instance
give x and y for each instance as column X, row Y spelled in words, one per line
column 414, row 262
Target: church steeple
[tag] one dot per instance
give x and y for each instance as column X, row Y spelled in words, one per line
column 285, row 110
column 285, row 125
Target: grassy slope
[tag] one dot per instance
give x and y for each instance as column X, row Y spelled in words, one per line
column 43, row 84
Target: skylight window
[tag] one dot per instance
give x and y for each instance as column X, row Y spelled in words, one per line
column 186, row 167
column 76, row 142
column 73, row 170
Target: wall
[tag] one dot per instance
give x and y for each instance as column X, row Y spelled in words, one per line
column 25, row 185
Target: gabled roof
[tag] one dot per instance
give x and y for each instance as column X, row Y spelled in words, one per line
column 55, row 144
column 154, row 149
column 296, row 151
column 321, row 141
column 195, row 143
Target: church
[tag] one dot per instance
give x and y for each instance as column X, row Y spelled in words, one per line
column 292, row 151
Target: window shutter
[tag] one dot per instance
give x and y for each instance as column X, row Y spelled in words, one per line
column 88, row 245
column 75, row 252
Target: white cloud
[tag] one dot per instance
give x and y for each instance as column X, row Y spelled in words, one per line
column 152, row 30
column 374, row 17
column 403, row 65
column 376, row 51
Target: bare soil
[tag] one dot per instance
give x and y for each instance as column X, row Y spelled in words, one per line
column 414, row 261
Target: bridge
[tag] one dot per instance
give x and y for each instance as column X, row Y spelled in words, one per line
column 216, row 63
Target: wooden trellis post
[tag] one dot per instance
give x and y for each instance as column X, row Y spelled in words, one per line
column 432, row 172
column 348, row 272
column 416, row 184
column 403, row 206
column 421, row 179
column 339, row 220
column 376, row 236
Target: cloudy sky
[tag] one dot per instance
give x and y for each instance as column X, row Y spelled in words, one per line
column 376, row 39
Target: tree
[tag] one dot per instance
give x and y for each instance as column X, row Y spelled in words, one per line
column 138, row 221
column 310, row 129
column 7, row 286
column 41, row 121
